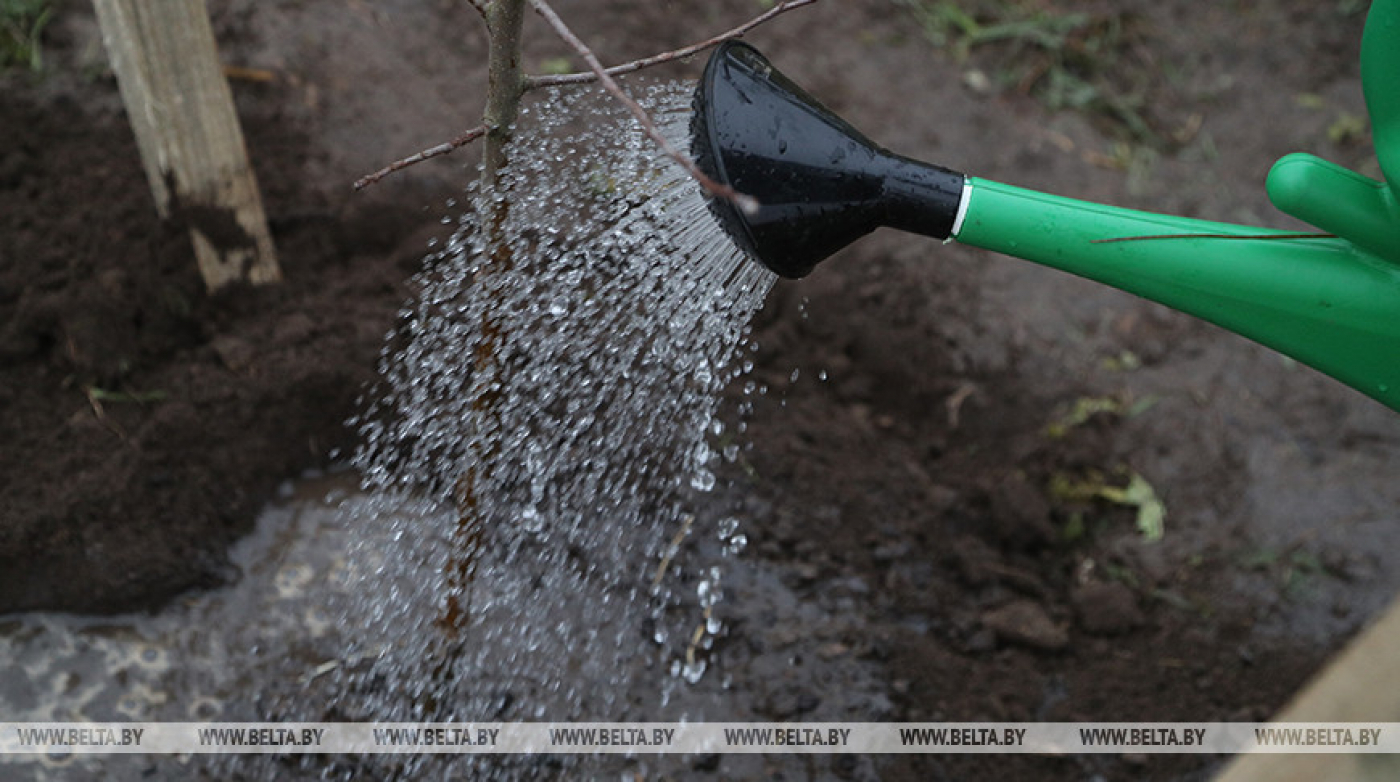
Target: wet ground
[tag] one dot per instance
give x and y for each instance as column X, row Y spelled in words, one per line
column 913, row 553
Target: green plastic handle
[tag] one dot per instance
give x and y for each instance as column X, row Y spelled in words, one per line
column 1324, row 301
column 1380, row 81
column 1331, row 302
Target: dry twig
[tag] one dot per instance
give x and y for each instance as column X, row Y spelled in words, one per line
column 603, row 74
column 671, row 550
column 441, row 149
column 747, row 203
column 1252, row 237
column 101, row 413
column 587, row 77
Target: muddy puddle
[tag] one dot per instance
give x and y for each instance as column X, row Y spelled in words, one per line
column 291, row 637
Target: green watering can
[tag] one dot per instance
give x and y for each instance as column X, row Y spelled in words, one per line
column 1330, row 300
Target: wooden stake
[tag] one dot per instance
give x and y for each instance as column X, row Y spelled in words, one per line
column 192, row 147
column 1360, row 685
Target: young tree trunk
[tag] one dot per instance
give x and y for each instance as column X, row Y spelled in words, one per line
column 191, row 144
column 506, row 85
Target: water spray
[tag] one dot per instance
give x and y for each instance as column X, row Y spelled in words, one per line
column 1330, row 299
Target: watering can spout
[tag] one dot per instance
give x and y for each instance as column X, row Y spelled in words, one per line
column 820, row 184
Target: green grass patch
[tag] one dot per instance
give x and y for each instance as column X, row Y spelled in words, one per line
column 22, row 25
column 136, row 397
column 1087, row 61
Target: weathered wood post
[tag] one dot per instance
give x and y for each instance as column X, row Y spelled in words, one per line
column 192, row 147
column 1359, row 686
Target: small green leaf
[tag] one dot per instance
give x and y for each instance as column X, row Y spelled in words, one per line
column 1309, row 100
column 1084, row 408
column 1074, row 528
column 1152, row 513
column 1126, row 361
column 1347, row 127
column 1141, row 406
column 1262, row 559
column 103, row 395
column 556, row 66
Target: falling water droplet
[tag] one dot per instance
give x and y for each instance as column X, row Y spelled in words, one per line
column 727, row 527
column 702, row 480
column 736, row 545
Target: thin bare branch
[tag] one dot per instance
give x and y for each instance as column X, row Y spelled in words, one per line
column 537, row 82
column 744, row 202
column 441, row 149
column 596, row 74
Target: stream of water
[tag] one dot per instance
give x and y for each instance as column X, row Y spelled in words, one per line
column 529, row 530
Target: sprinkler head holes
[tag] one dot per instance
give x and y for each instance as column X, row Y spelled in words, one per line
column 820, row 184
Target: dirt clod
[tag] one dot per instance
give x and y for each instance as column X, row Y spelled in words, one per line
column 1106, row 608
column 789, row 700
column 1027, row 624
column 1020, row 513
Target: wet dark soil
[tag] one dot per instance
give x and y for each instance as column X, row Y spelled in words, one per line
column 147, row 421
column 914, row 477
